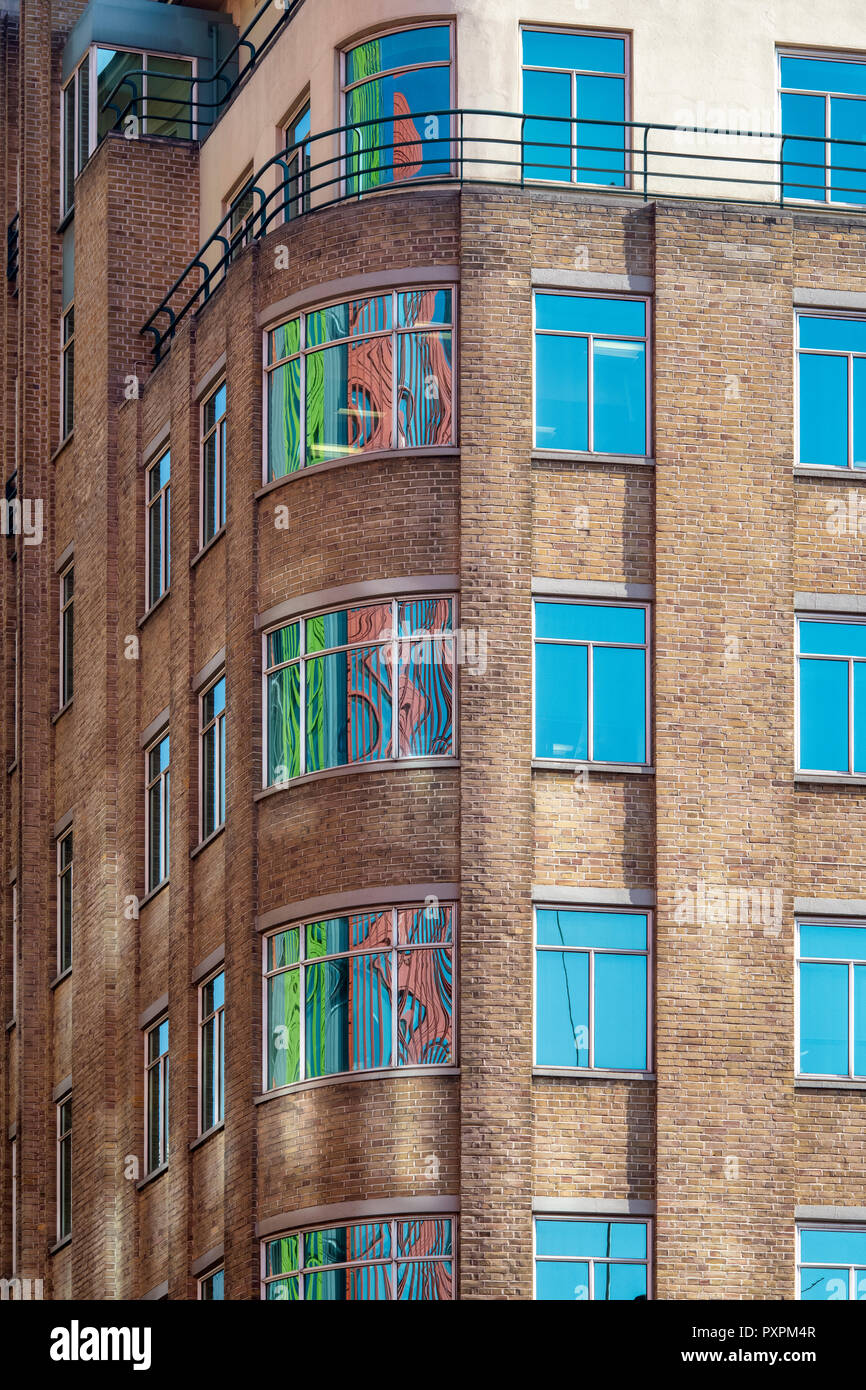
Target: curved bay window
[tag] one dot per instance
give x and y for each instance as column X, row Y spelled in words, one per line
column 370, row 683
column 366, row 374
column 406, row 1260
column 397, row 102
column 364, row 992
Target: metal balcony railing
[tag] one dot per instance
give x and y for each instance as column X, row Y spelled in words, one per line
column 12, row 251
column 640, row 160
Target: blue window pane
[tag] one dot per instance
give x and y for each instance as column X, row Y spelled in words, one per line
column 392, row 139
column 548, row 143
column 833, row 334
column 403, row 49
column 619, row 397
column 562, row 1282
column 824, row 716
column 622, row 1240
column 626, row 930
column 620, row 1011
column 859, row 410
column 561, row 702
column 824, row 411
column 582, row 313
column 600, row 148
column 371, row 1011
column 828, row 1247
column 824, row 75
column 561, row 393
column 587, row 622
column 824, row 1020
column 860, row 716
column 823, row 1284
column 848, row 161
column 619, row 1282
column 803, row 160
column 860, row 1020
column 618, row 705
column 833, row 639
column 833, row 943
column 327, row 1018
column 580, row 52
column 563, row 1009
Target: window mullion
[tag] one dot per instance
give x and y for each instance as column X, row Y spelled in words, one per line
column 850, row 1018
column 589, row 700
column 851, row 716
column 591, row 1019
column 302, row 1006
column 590, row 392
column 850, row 410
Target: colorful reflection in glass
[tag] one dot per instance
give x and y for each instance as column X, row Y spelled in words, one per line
column 402, row 1260
column 362, row 375
column 343, row 670
column 377, row 991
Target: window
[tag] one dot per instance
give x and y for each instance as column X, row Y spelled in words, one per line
column 403, row 1260
column 591, row 686
column 374, row 682
column 832, row 1263
column 241, row 212
column 365, row 374
column 64, row 1167
column 14, row 947
column 64, row 902
column 212, row 1051
column 377, row 991
column 580, row 81
column 831, row 656
column 823, row 99
column 831, row 417
column 591, row 374
column 297, row 139
column 579, row 1258
column 592, row 982
column 213, row 757
column 397, row 95
column 158, row 528
column 67, row 374
column 75, row 122
column 212, row 1286
column 158, row 786
column 67, row 634
column 831, row 979
column 156, row 1090
column 213, row 464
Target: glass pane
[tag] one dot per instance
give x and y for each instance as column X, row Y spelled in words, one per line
column 833, row 639
column 620, row 1282
column 372, row 928
column 284, row 644
column 803, row 160
column 213, row 1288
column 424, row 1008
column 424, row 1280
column 619, row 397
column 565, row 1281
column 860, row 1020
column 403, row 49
column 824, row 75
column 823, row 1284
column 284, row 341
column 156, row 836
column 371, row 1012
column 426, row 698
column 833, row 1247
column 561, row 393
column 618, row 705
column 423, row 308
column 354, row 318
column 824, row 1020
column 284, row 419
column 836, row 943
column 561, row 729
column 284, row 1029
column 564, row 927
column 583, row 313
column 418, row 1238
column 823, row 410
column 547, row 151
column 154, row 1107
column 367, row 623
column 284, row 948
column 281, row 1256
column 209, row 1076
column 348, row 708
column 118, row 81
column 623, row 1240
column 860, row 716
column 284, row 1289
column 370, row 1282
column 69, row 143
column 401, row 128
column 587, row 622
column 425, row 924
column 583, row 52
column 563, row 1009
column 600, row 148
column 169, row 89
column 824, row 715
column 620, row 1011
column 424, row 615
column 284, row 724
column 209, row 782
column 348, row 399
column 328, row 1024
column 327, row 938
column 155, row 529
column 858, row 392
column 832, row 334
column 848, row 161
column 424, row 390
column 210, row 494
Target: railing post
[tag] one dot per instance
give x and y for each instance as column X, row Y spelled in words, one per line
column 523, row 150
column 646, row 131
column 782, row 171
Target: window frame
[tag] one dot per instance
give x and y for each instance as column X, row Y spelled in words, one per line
column 161, row 785
column 301, row 108
column 217, row 723
column 647, row 340
column 827, row 55
column 594, row 1218
column 393, row 951
column 63, row 1166
column 163, row 495
column 205, row 1278
column 838, row 315
column 240, row 235
column 807, row 920
column 596, row 601
column 66, row 584
column 218, row 431
column 394, row 642
column 67, row 371
column 393, row 335
column 840, row 1228
column 391, row 1261
column 217, row 1018
column 64, row 930
column 160, row 1066
column 540, row 904
column 626, row 35
column 848, row 619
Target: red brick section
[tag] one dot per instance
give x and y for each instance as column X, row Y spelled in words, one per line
column 724, row 751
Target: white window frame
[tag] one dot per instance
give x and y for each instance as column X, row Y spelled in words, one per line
column 849, row 619
column 217, row 1016
column 646, row 646
column 593, row 1218
column 851, row 962
column 824, row 55
column 853, row 1270
column 838, row 315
